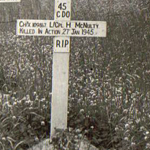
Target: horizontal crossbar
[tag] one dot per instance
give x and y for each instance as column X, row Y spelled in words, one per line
column 61, row 28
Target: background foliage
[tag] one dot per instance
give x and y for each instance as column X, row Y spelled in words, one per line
column 109, row 81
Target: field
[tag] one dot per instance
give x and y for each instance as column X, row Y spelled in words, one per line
column 109, row 78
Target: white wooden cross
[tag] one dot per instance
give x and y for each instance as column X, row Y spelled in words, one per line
column 62, row 28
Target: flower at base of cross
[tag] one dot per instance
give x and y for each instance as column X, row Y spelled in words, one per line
column 15, row 103
column 142, row 128
column 126, row 139
column 147, row 132
column 116, row 128
column 36, row 139
column 127, row 126
column 133, row 144
column 137, row 120
column 82, row 110
column 42, row 100
column 3, row 138
column 78, row 131
column 42, row 123
column 92, row 127
column 148, row 146
column 14, row 117
column 125, row 111
column 145, row 137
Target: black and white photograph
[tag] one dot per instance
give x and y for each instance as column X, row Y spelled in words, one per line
column 74, row 75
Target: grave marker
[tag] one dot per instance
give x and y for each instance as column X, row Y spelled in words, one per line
column 60, row 72
column 62, row 28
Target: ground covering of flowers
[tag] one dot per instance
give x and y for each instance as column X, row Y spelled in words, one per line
column 110, row 114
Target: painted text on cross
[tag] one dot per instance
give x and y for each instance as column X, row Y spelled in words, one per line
column 61, row 28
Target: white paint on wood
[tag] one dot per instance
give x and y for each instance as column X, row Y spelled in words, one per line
column 61, row 28
column 65, row 12
column 60, row 77
column 61, row 44
column 59, row 104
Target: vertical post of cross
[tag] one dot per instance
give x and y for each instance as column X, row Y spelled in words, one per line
column 60, row 70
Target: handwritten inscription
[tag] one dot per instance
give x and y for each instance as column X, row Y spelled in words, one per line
column 61, row 28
